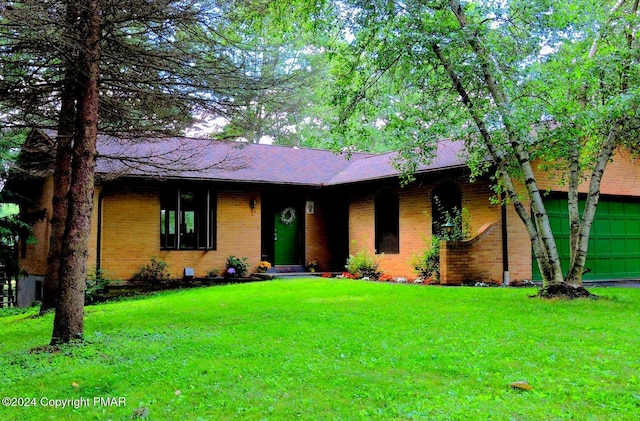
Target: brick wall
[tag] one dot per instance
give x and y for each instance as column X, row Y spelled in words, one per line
column 316, row 234
column 476, row 259
column 621, row 177
column 131, row 233
column 415, row 220
column 35, row 260
column 519, row 246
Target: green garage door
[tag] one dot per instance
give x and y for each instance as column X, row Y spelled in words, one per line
column 614, row 244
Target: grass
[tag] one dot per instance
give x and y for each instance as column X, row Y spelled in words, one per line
column 334, row 350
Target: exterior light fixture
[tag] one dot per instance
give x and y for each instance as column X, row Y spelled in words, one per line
column 448, row 227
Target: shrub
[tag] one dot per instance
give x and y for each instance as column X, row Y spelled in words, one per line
column 96, row 284
column 427, row 263
column 236, row 267
column 212, row 273
column 154, row 273
column 363, row 265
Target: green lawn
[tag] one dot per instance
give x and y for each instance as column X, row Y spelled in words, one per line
column 334, row 350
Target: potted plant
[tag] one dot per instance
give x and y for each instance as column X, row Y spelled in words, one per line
column 263, row 266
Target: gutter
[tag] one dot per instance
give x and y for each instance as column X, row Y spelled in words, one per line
column 505, row 240
column 99, row 232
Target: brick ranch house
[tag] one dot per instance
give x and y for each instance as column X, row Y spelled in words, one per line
column 194, row 202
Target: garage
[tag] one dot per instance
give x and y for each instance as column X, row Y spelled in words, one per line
column 614, row 244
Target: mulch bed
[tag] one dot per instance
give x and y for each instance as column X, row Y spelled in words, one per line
column 565, row 292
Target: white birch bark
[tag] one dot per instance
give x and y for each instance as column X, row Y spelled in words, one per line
column 580, row 245
column 546, row 252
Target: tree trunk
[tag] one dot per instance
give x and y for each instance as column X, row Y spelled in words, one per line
column 69, row 320
column 62, row 169
column 580, row 238
column 573, row 199
column 542, row 240
column 574, row 276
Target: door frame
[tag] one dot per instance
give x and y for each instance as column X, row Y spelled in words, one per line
column 273, row 203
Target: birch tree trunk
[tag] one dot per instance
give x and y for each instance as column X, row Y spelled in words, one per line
column 579, row 253
column 573, row 198
column 69, row 318
column 581, row 227
column 542, row 240
column 502, row 172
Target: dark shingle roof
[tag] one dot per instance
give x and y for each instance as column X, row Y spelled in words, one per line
column 182, row 157
column 448, row 155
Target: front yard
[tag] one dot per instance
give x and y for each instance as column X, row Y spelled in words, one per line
column 331, row 349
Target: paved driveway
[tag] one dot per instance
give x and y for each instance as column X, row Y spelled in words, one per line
column 617, row 284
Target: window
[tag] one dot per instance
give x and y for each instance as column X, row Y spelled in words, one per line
column 188, row 219
column 387, row 220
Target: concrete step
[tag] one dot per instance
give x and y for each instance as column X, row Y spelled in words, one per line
column 289, row 268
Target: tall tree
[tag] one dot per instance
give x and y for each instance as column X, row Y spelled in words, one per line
column 69, row 318
column 488, row 72
column 144, row 67
column 274, row 50
column 62, row 165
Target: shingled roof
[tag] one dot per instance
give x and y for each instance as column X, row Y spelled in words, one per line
column 206, row 159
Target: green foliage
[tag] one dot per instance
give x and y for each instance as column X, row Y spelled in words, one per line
column 154, row 273
column 96, row 284
column 8, row 209
column 427, row 263
column 162, row 62
column 459, row 219
column 12, row 311
column 389, row 79
column 10, row 143
column 12, row 227
column 335, row 344
column 362, row 265
column 237, row 267
column 212, row 273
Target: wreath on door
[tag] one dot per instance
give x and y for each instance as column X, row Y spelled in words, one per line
column 287, row 216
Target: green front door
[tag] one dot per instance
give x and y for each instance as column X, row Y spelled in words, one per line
column 287, row 236
column 614, row 244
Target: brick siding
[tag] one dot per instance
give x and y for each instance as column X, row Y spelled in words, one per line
column 478, row 259
column 131, row 234
column 130, row 226
column 316, row 234
column 415, row 220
